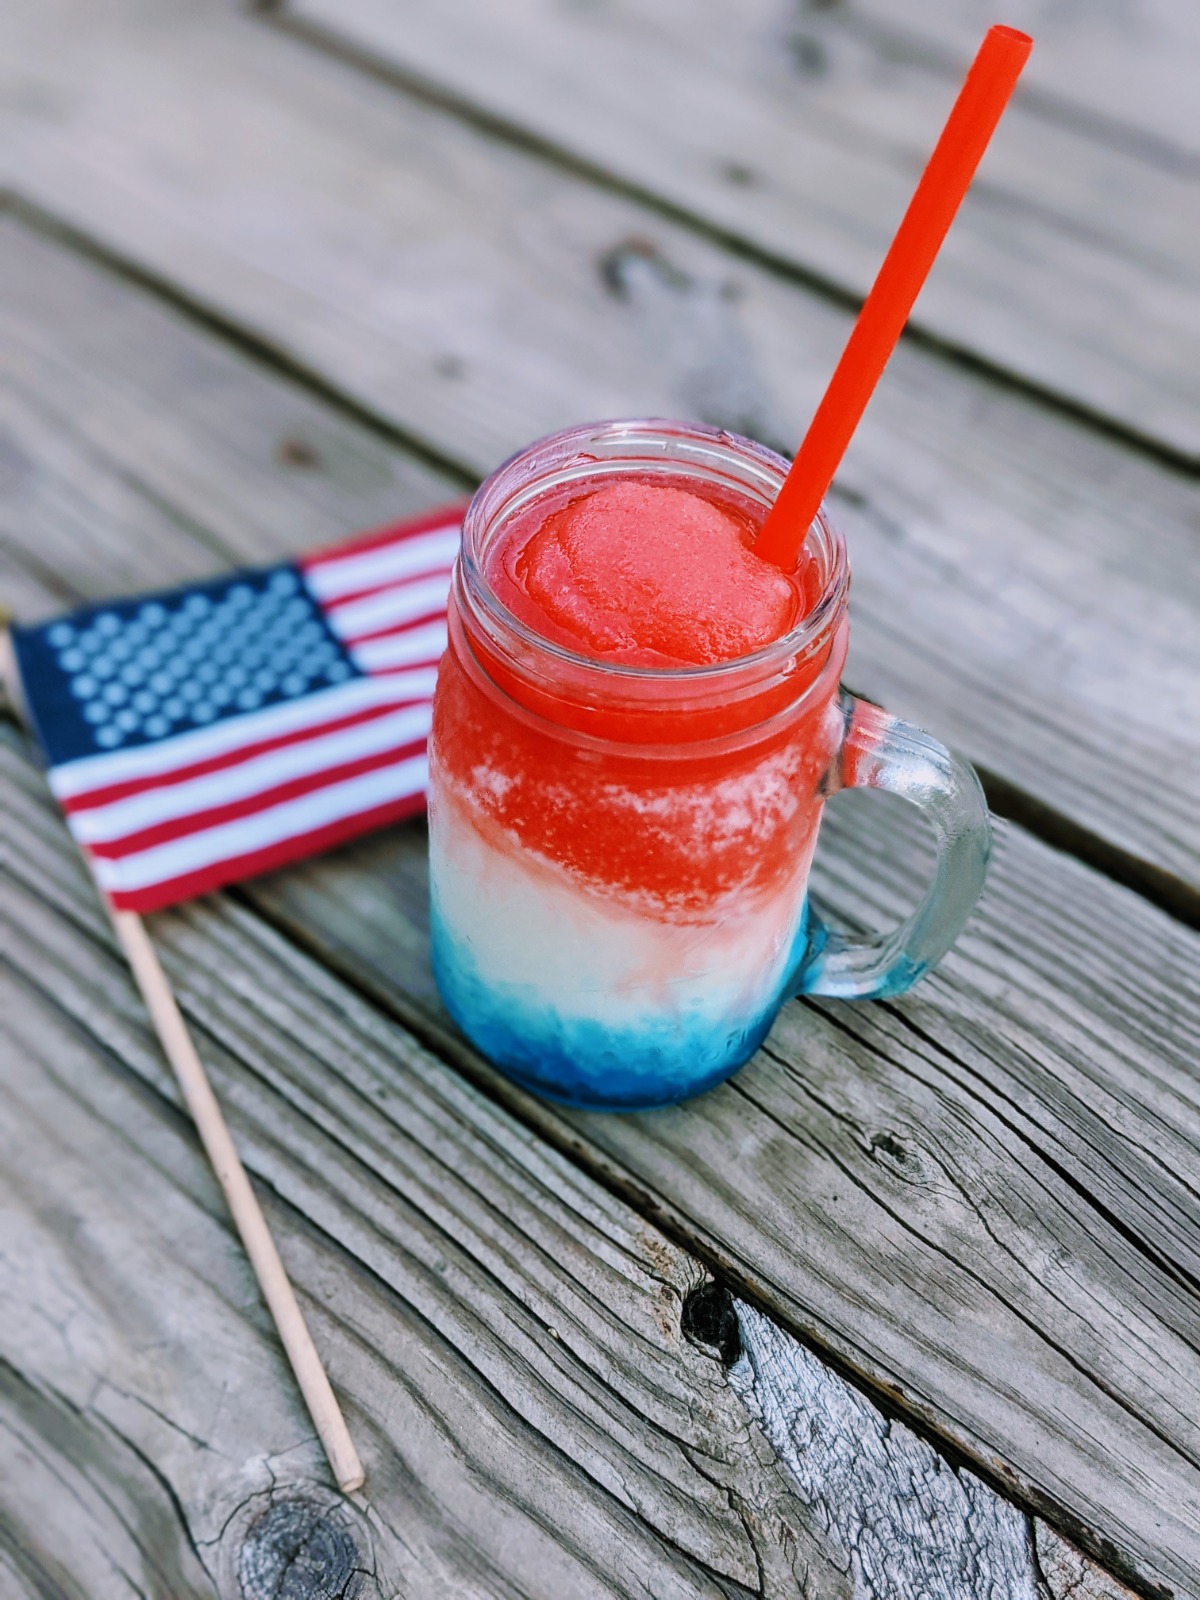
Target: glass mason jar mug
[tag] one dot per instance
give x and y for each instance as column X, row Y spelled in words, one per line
column 620, row 854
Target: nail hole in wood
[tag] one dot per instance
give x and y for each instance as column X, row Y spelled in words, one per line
column 617, row 264
column 613, row 263
column 297, row 453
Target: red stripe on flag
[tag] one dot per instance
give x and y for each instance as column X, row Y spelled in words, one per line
column 232, row 758
column 438, row 614
column 330, row 607
column 220, row 873
column 448, row 516
column 249, row 805
column 404, row 666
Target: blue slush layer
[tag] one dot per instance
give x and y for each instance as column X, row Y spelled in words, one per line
column 580, row 1062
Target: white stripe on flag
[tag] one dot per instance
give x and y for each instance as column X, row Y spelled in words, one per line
column 392, row 606
column 288, row 820
column 289, row 716
column 334, row 576
column 400, row 649
column 118, row 820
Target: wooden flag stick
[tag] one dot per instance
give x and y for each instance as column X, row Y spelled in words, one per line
column 214, row 1134
column 247, row 1214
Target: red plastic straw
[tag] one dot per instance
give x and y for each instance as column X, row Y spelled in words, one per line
column 979, row 107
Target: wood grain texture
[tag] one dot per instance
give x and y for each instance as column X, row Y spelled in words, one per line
column 410, row 1191
column 83, row 1514
column 1121, row 71
column 800, row 129
column 108, row 1264
column 179, row 1048
column 908, row 1523
column 1068, row 1575
column 1022, row 583
column 504, row 1335
column 982, row 1198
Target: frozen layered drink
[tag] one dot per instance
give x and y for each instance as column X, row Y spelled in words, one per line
column 637, row 722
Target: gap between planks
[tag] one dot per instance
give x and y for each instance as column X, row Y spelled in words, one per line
column 275, row 357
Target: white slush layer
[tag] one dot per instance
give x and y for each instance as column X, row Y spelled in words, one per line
column 533, row 931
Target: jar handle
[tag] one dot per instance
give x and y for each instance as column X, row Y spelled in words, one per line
column 880, row 751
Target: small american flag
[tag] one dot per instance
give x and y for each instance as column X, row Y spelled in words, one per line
column 211, row 732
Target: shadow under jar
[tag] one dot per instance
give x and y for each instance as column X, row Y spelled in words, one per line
column 620, row 854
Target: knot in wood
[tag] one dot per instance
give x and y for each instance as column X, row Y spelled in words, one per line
column 739, row 174
column 302, row 1547
column 710, row 1319
column 900, row 1157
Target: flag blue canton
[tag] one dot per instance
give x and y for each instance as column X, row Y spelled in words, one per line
column 129, row 673
column 208, row 732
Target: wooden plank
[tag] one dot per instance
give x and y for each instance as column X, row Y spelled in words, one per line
column 999, row 549
column 800, row 130
column 895, row 1540
column 1016, row 1141
column 83, row 1515
column 113, row 438
column 1068, row 1575
column 478, row 1301
column 898, row 1507
column 906, row 1524
column 507, row 1337
column 1124, row 73
column 981, row 1198
column 1120, row 74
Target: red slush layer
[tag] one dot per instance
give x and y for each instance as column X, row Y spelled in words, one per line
column 642, row 573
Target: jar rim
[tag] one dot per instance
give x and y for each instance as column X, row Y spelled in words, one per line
column 583, row 450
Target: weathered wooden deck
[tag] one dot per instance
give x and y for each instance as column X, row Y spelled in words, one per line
column 911, row 1308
